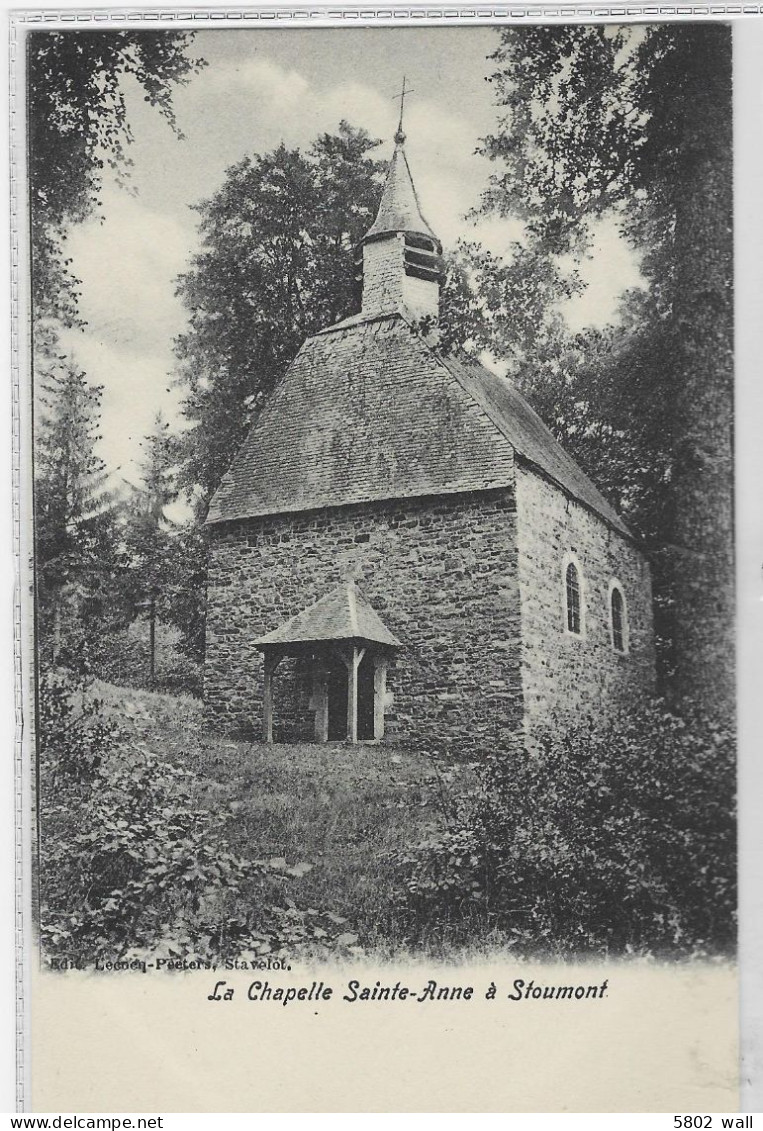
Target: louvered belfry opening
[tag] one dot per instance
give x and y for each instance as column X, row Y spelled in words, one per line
column 423, row 259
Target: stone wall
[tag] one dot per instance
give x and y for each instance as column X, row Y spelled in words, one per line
column 565, row 676
column 442, row 574
column 383, row 274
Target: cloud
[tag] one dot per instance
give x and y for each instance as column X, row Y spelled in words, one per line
column 128, row 265
column 136, row 385
column 257, row 77
column 256, row 103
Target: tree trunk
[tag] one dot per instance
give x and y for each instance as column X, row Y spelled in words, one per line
column 56, row 634
column 699, row 554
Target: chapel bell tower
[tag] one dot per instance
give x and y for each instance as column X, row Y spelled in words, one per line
column 401, row 256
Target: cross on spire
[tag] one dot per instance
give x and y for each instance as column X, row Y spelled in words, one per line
column 400, row 136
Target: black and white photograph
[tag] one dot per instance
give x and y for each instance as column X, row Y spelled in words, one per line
column 382, row 571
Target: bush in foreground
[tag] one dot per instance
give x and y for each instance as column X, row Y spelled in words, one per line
column 132, row 864
column 614, row 841
column 73, row 733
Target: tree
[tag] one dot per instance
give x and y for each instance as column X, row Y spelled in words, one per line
column 166, row 573
column 185, row 600
column 635, row 124
column 75, row 512
column 517, row 298
column 148, row 533
column 277, row 264
column 78, row 127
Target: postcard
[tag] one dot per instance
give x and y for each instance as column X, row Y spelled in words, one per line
column 382, row 648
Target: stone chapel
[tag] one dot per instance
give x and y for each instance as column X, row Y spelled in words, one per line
column 401, row 549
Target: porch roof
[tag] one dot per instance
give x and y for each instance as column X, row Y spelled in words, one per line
column 341, row 614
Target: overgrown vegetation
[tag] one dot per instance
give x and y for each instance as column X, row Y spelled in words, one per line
column 607, row 842
column 137, row 861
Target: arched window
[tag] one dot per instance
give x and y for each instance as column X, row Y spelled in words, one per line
column 572, row 588
column 618, row 619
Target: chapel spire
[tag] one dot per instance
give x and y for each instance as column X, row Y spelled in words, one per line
column 400, row 135
column 402, row 265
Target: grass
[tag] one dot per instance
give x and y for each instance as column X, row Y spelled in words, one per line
column 314, row 830
column 338, row 808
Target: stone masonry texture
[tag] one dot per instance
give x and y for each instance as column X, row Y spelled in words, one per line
column 432, row 483
column 566, row 678
column 440, row 571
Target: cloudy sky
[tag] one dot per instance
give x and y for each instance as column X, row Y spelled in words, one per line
column 261, row 87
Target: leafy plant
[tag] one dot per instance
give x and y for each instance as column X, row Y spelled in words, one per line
column 133, row 864
column 606, row 841
column 73, row 733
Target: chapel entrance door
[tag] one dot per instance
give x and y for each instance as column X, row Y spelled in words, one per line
column 366, row 702
column 336, row 687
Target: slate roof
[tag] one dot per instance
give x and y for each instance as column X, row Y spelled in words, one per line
column 369, row 411
column 342, row 614
column 363, row 414
column 399, row 210
column 527, row 433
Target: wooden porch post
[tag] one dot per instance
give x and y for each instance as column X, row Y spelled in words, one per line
column 272, row 660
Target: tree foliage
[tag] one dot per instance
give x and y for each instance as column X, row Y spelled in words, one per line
column 276, row 265
column 147, row 531
column 185, row 599
column 78, row 86
column 634, row 124
column 75, row 511
column 167, row 557
column 78, row 127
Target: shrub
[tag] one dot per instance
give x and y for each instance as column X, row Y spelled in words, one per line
column 602, row 841
column 126, row 662
column 73, row 735
column 134, row 866
column 135, row 859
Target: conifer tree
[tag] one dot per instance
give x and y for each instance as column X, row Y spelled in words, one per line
column 185, row 596
column 75, row 512
column 78, row 128
column 148, row 534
